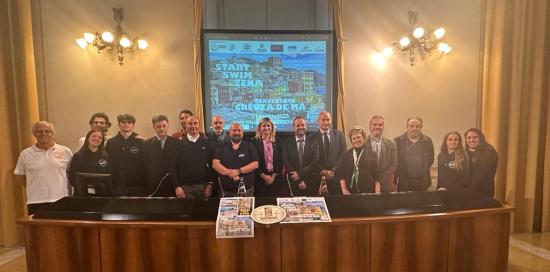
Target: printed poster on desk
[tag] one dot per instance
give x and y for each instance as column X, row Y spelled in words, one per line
column 234, row 218
column 304, row 209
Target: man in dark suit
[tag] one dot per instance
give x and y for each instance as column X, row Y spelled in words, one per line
column 301, row 161
column 158, row 151
column 332, row 145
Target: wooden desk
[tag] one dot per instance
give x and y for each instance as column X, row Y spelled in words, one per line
column 472, row 240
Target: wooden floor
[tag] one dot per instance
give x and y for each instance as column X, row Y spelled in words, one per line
column 529, row 252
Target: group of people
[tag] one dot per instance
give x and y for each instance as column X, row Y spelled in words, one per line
column 192, row 164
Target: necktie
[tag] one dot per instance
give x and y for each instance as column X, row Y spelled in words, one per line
column 326, row 145
column 300, row 151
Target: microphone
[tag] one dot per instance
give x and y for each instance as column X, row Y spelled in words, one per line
column 160, row 183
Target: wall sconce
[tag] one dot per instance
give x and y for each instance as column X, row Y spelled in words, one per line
column 418, row 39
column 118, row 42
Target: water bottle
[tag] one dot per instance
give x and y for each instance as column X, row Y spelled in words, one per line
column 241, row 191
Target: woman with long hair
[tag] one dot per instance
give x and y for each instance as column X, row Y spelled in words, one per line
column 91, row 158
column 357, row 170
column 483, row 162
column 269, row 177
column 452, row 164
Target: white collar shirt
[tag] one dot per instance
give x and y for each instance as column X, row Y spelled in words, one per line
column 45, row 172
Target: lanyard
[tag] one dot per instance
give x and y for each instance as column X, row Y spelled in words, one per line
column 357, row 158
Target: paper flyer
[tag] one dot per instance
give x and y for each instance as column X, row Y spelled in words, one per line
column 304, row 209
column 234, row 220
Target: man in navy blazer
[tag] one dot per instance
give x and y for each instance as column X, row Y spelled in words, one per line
column 332, row 145
column 301, row 161
column 158, row 151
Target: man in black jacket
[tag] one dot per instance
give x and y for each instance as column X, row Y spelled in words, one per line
column 332, row 145
column 218, row 134
column 191, row 167
column 126, row 153
column 301, row 161
column 158, row 150
column 415, row 152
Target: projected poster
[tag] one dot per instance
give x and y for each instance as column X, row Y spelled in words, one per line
column 275, row 77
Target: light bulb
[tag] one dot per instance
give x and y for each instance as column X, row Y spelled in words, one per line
column 444, row 48
column 418, row 32
column 89, row 37
column 82, row 43
column 125, row 42
column 404, row 42
column 439, row 33
column 107, row 37
column 142, row 44
column 378, row 60
column 387, row 52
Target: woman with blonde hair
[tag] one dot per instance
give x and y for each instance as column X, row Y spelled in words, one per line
column 452, row 164
column 270, row 165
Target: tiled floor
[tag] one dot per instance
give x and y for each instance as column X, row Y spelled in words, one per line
column 529, row 252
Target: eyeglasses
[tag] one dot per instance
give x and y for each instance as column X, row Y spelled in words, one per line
column 43, row 131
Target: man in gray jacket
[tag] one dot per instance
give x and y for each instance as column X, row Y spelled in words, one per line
column 415, row 156
column 386, row 151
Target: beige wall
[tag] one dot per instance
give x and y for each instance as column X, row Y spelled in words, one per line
column 76, row 82
column 443, row 91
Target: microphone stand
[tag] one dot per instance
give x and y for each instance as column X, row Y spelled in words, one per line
column 160, row 183
column 289, row 187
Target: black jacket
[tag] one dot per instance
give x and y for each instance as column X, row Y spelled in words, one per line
column 448, row 176
column 368, row 170
column 86, row 161
column 427, row 161
column 157, row 162
column 483, row 167
column 310, row 161
column 337, row 148
column 128, row 165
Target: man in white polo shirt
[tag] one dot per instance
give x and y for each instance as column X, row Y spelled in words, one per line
column 42, row 168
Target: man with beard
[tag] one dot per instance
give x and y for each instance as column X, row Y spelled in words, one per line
column 218, row 135
column 158, row 150
column 235, row 160
column 301, row 161
column 184, row 115
column 126, row 153
column 190, row 170
column 386, row 153
column 98, row 121
column 415, row 153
